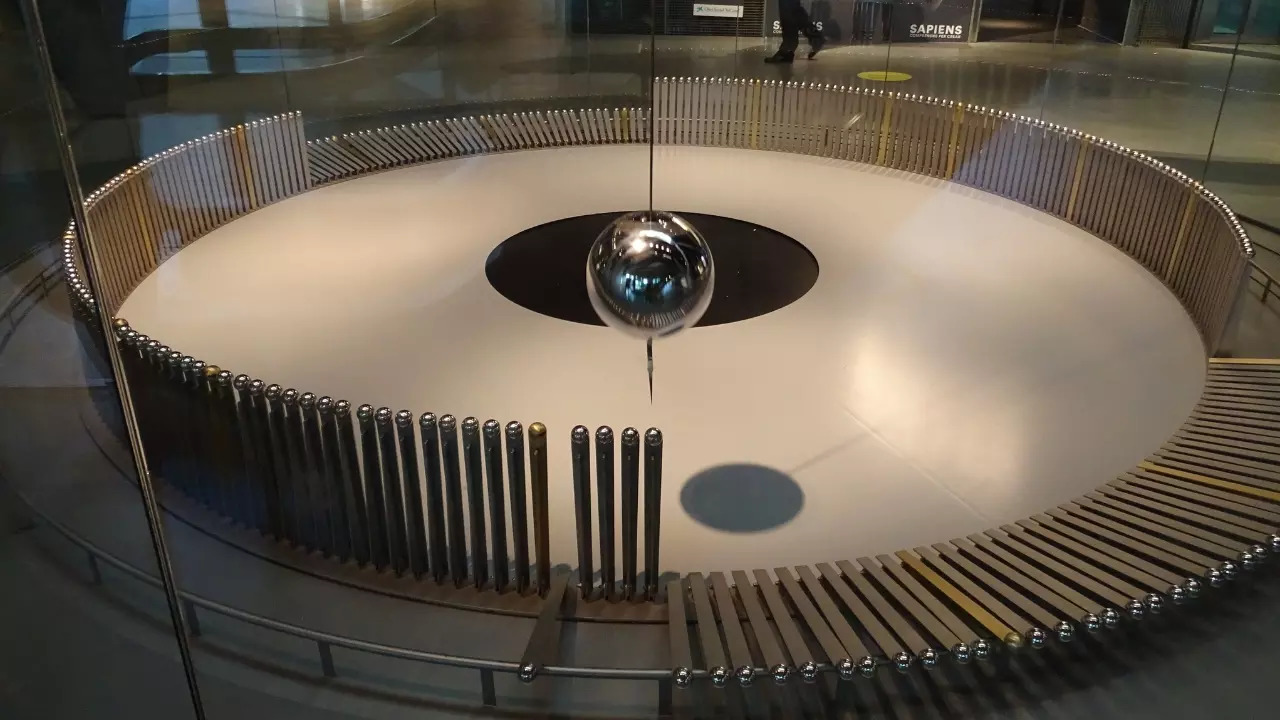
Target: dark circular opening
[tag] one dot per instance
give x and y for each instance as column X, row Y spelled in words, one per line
column 742, row 498
column 758, row 270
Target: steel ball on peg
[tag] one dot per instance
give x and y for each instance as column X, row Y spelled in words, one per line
column 650, row 274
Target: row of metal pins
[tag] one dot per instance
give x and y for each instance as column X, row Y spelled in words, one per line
column 353, row 486
column 1189, row 237
column 606, row 490
column 152, row 210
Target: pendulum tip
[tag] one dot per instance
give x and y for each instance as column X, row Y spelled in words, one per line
column 649, row 358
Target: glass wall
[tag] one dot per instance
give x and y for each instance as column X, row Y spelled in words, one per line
column 1195, row 84
column 85, row 635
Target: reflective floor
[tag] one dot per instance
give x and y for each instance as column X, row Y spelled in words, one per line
column 1160, row 100
column 961, row 362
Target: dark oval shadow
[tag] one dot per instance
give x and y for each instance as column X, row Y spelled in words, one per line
column 742, row 498
column 758, row 270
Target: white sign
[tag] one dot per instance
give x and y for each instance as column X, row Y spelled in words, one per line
column 717, row 10
column 937, row 32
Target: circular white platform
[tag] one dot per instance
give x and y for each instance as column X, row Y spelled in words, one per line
column 962, row 361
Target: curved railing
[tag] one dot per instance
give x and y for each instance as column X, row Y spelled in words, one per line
column 303, row 468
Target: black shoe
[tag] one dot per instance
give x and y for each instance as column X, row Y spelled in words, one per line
column 816, row 42
column 781, row 57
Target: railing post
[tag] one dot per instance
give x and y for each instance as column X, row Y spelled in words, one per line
column 487, row 693
column 664, row 698
column 326, row 659
column 193, row 621
column 94, row 571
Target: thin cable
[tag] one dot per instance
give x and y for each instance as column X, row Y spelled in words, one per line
column 653, row 77
column 93, row 263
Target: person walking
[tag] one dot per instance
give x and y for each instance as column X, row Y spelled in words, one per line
column 794, row 20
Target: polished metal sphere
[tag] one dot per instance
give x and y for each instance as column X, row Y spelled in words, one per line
column 683, row 676
column 1111, row 618
column 809, row 672
column 1177, row 594
column 746, row 675
column 902, row 661
column 1155, row 603
column 1066, row 633
column 1229, row 570
column 1274, row 542
column 982, row 649
column 1092, row 623
column 867, row 666
column 1259, row 552
column 528, row 672
column 781, row 673
column 1037, row 637
column 1215, row 578
column 719, row 676
column 930, row 657
column 650, row 274
column 1247, row 560
column 961, row 653
column 844, row 666
column 1136, row 609
column 1193, row 587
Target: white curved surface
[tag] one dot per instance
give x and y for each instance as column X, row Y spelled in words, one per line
column 962, row 361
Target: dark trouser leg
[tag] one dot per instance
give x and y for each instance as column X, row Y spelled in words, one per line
column 794, row 19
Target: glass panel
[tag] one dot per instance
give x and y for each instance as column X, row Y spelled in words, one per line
column 360, row 230
column 86, row 630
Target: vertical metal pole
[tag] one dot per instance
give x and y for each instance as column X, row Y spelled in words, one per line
column 475, row 501
column 453, row 498
column 314, row 473
column 354, row 494
column 391, row 490
column 267, row 460
column 604, row 493
column 630, row 508
column 497, row 506
column 519, row 513
column 214, row 461
column 304, row 535
column 652, row 509
column 541, row 530
column 375, row 502
column 252, row 487
column 418, row 564
column 329, row 503
column 436, row 544
column 580, row 449
column 281, row 459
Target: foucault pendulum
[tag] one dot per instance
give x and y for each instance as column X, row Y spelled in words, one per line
column 650, row 275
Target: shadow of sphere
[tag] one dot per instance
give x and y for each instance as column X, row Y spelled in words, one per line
column 742, row 498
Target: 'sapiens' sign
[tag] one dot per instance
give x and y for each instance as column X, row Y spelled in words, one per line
column 932, row 21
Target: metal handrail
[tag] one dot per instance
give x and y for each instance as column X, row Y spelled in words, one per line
column 38, row 284
column 1268, row 282
column 325, row 641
